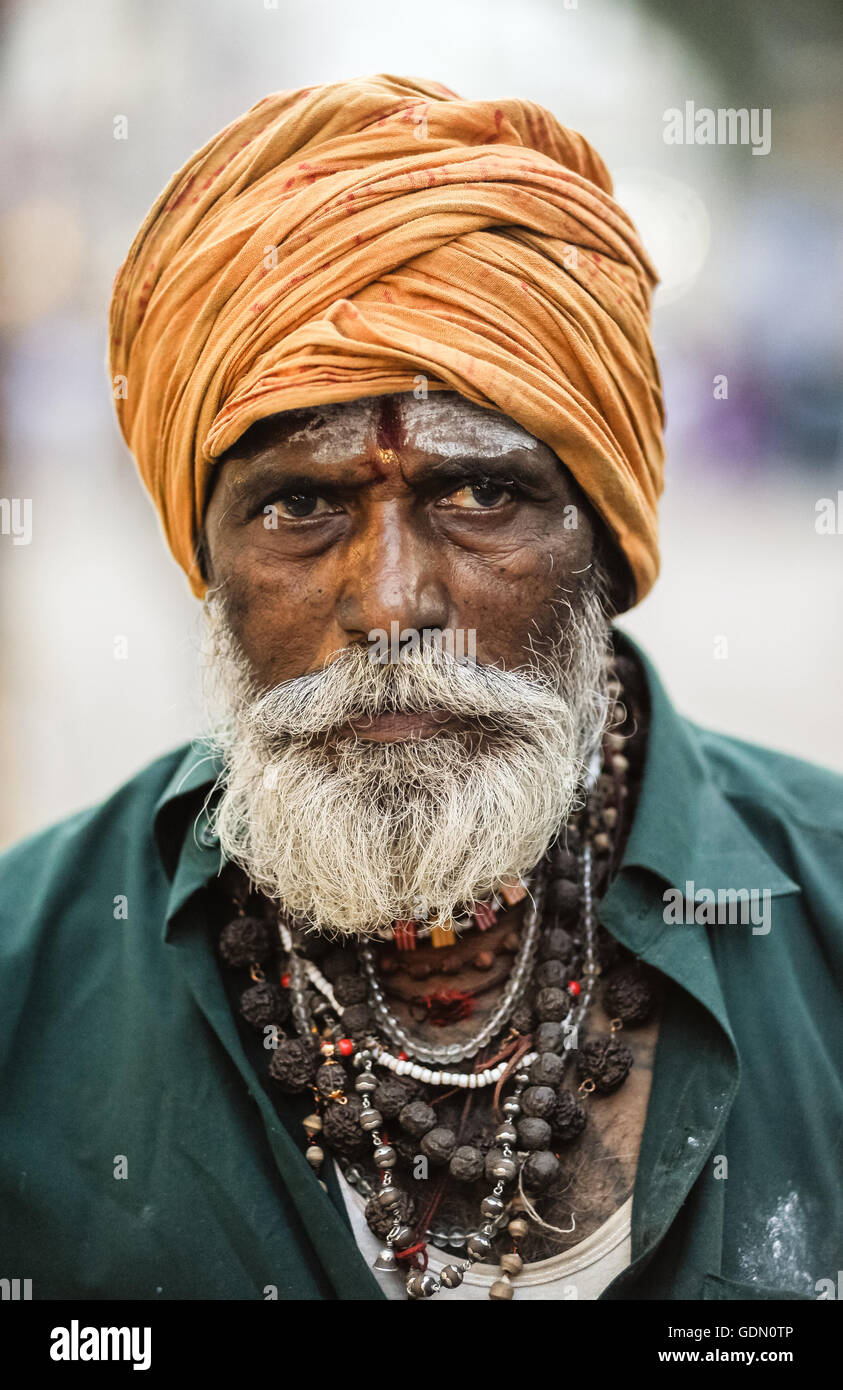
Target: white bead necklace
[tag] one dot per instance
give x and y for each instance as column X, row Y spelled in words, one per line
column 467, row 1081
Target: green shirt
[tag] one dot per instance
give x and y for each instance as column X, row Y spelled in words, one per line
column 121, row 1053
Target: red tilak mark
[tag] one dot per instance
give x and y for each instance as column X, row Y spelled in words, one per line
column 390, row 432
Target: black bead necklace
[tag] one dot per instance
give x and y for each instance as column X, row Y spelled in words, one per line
column 335, row 1002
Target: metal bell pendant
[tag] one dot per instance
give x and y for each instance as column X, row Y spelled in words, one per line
column 386, row 1262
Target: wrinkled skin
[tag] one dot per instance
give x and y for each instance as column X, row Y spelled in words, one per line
column 327, row 523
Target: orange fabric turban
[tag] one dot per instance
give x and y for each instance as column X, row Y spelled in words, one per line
column 342, row 240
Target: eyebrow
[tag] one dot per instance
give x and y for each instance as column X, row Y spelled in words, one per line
column 512, row 463
column 515, row 464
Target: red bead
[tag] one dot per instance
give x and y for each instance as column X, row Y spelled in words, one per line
column 285, row 981
column 404, row 935
column 573, row 987
column 345, row 1046
column 485, row 916
column 402, row 1057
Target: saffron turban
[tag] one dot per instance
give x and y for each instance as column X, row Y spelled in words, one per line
column 341, row 241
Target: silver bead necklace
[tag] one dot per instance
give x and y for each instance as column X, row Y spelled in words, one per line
column 422, row 1051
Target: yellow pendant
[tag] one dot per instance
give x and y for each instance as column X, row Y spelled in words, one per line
column 443, row 933
column 513, row 892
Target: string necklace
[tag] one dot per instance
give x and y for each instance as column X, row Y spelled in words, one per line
column 377, row 1084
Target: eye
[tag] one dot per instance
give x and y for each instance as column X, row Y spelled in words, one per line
column 484, row 495
column 297, row 506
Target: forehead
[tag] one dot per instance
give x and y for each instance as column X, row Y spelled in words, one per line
column 444, row 424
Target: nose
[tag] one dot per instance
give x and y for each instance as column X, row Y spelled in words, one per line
column 392, row 577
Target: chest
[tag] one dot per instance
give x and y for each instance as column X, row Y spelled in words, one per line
column 444, row 995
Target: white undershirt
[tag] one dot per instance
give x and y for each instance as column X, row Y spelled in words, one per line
column 584, row 1271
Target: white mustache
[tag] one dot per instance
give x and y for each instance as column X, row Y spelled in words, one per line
column 352, row 687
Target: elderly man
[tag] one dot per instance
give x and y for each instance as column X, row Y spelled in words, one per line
column 455, row 962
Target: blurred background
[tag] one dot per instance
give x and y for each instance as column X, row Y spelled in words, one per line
column 98, row 632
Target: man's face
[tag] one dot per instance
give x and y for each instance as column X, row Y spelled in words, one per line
column 359, row 791
column 327, row 524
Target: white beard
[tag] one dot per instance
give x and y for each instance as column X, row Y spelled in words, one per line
column 350, row 835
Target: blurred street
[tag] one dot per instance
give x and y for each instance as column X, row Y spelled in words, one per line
column 98, row 628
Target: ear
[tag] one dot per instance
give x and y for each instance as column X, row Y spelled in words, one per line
column 203, row 558
column 620, row 593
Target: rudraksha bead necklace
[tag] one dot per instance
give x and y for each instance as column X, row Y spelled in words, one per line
column 340, row 1014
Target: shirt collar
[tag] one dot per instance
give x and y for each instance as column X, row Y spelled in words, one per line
column 685, row 829
column 687, row 835
column 188, row 848
column 197, row 770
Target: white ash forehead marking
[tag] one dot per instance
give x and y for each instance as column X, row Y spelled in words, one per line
column 350, row 430
column 440, row 428
column 445, row 425
column 780, row 1260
